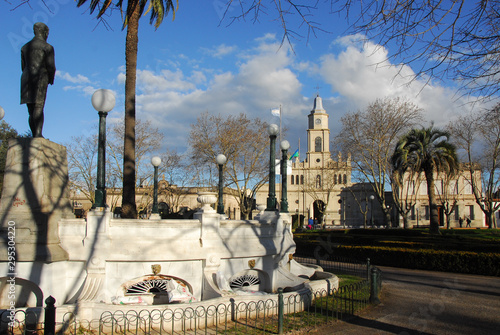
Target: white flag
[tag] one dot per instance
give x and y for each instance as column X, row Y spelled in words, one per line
column 275, row 112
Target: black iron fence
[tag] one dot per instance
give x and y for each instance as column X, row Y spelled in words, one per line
column 271, row 314
column 339, row 265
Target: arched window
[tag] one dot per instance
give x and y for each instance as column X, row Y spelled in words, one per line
column 334, row 179
column 317, row 144
column 292, row 179
column 297, row 179
column 345, row 179
column 318, row 181
column 302, row 180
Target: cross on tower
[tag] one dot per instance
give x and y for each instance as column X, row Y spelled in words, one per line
column 317, row 87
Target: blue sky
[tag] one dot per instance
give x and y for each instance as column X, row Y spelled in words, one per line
column 196, row 64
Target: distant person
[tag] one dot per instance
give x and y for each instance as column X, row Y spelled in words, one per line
column 310, row 223
column 39, row 69
column 460, row 222
column 468, row 223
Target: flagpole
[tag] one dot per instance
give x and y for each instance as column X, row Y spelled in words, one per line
column 281, row 112
column 300, row 222
column 281, row 177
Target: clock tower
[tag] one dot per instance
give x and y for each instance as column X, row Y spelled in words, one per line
column 318, row 136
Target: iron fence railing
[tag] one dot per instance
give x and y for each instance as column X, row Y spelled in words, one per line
column 339, row 265
column 271, row 314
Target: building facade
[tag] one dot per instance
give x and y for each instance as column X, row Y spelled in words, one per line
column 316, row 185
column 173, row 201
column 319, row 189
column 454, row 196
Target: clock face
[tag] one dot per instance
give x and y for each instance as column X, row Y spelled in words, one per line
column 318, row 121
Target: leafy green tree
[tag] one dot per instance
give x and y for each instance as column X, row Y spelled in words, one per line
column 131, row 10
column 6, row 133
column 426, row 150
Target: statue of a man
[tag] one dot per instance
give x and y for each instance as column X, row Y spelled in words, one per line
column 39, row 69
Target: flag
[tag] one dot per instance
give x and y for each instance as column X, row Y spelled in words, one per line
column 276, row 112
column 295, row 154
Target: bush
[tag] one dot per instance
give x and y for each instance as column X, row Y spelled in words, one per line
column 436, row 260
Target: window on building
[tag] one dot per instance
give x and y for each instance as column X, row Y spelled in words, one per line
column 411, row 188
column 470, row 211
column 334, row 179
column 456, row 212
column 439, row 187
column 318, row 181
column 345, row 179
column 453, row 187
column 302, row 180
column 423, row 188
column 467, row 187
column 292, row 179
column 412, row 215
column 317, row 144
column 297, row 179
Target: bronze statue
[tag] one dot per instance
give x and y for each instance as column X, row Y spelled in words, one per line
column 39, row 69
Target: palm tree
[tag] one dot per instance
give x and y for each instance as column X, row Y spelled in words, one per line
column 426, row 150
column 132, row 12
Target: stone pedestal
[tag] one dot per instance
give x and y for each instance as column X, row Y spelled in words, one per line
column 35, row 196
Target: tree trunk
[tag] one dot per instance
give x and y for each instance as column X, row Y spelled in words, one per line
column 491, row 219
column 129, row 209
column 405, row 220
column 434, row 216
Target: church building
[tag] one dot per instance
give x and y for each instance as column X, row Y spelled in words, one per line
column 316, row 186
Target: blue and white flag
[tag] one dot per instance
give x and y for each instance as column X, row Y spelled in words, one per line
column 295, row 154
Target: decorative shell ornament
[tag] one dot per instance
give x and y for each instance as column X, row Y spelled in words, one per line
column 251, row 263
column 156, row 268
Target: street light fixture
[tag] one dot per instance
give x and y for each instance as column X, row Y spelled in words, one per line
column 285, row 145
column 221, row 160
column 272, row 130
column 103, row 101
column 372, row 197
column 155, row 161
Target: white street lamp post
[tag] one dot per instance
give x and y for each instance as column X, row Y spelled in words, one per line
column 285, row 145
column 372, row 197
column 273, row 130
column 103, row 101
column 155, row 161
column 221, row 160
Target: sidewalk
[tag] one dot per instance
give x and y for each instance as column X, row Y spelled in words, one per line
column 425, row 302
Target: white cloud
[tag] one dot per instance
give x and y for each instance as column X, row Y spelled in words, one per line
column 78, row 79
column 361, row 73
column 220, row 50
column 263, row 79
column 268, row 76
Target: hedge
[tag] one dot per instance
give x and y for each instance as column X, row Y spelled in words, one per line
column 424, row 259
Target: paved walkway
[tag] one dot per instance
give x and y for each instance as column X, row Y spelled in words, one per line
column 425, row 302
